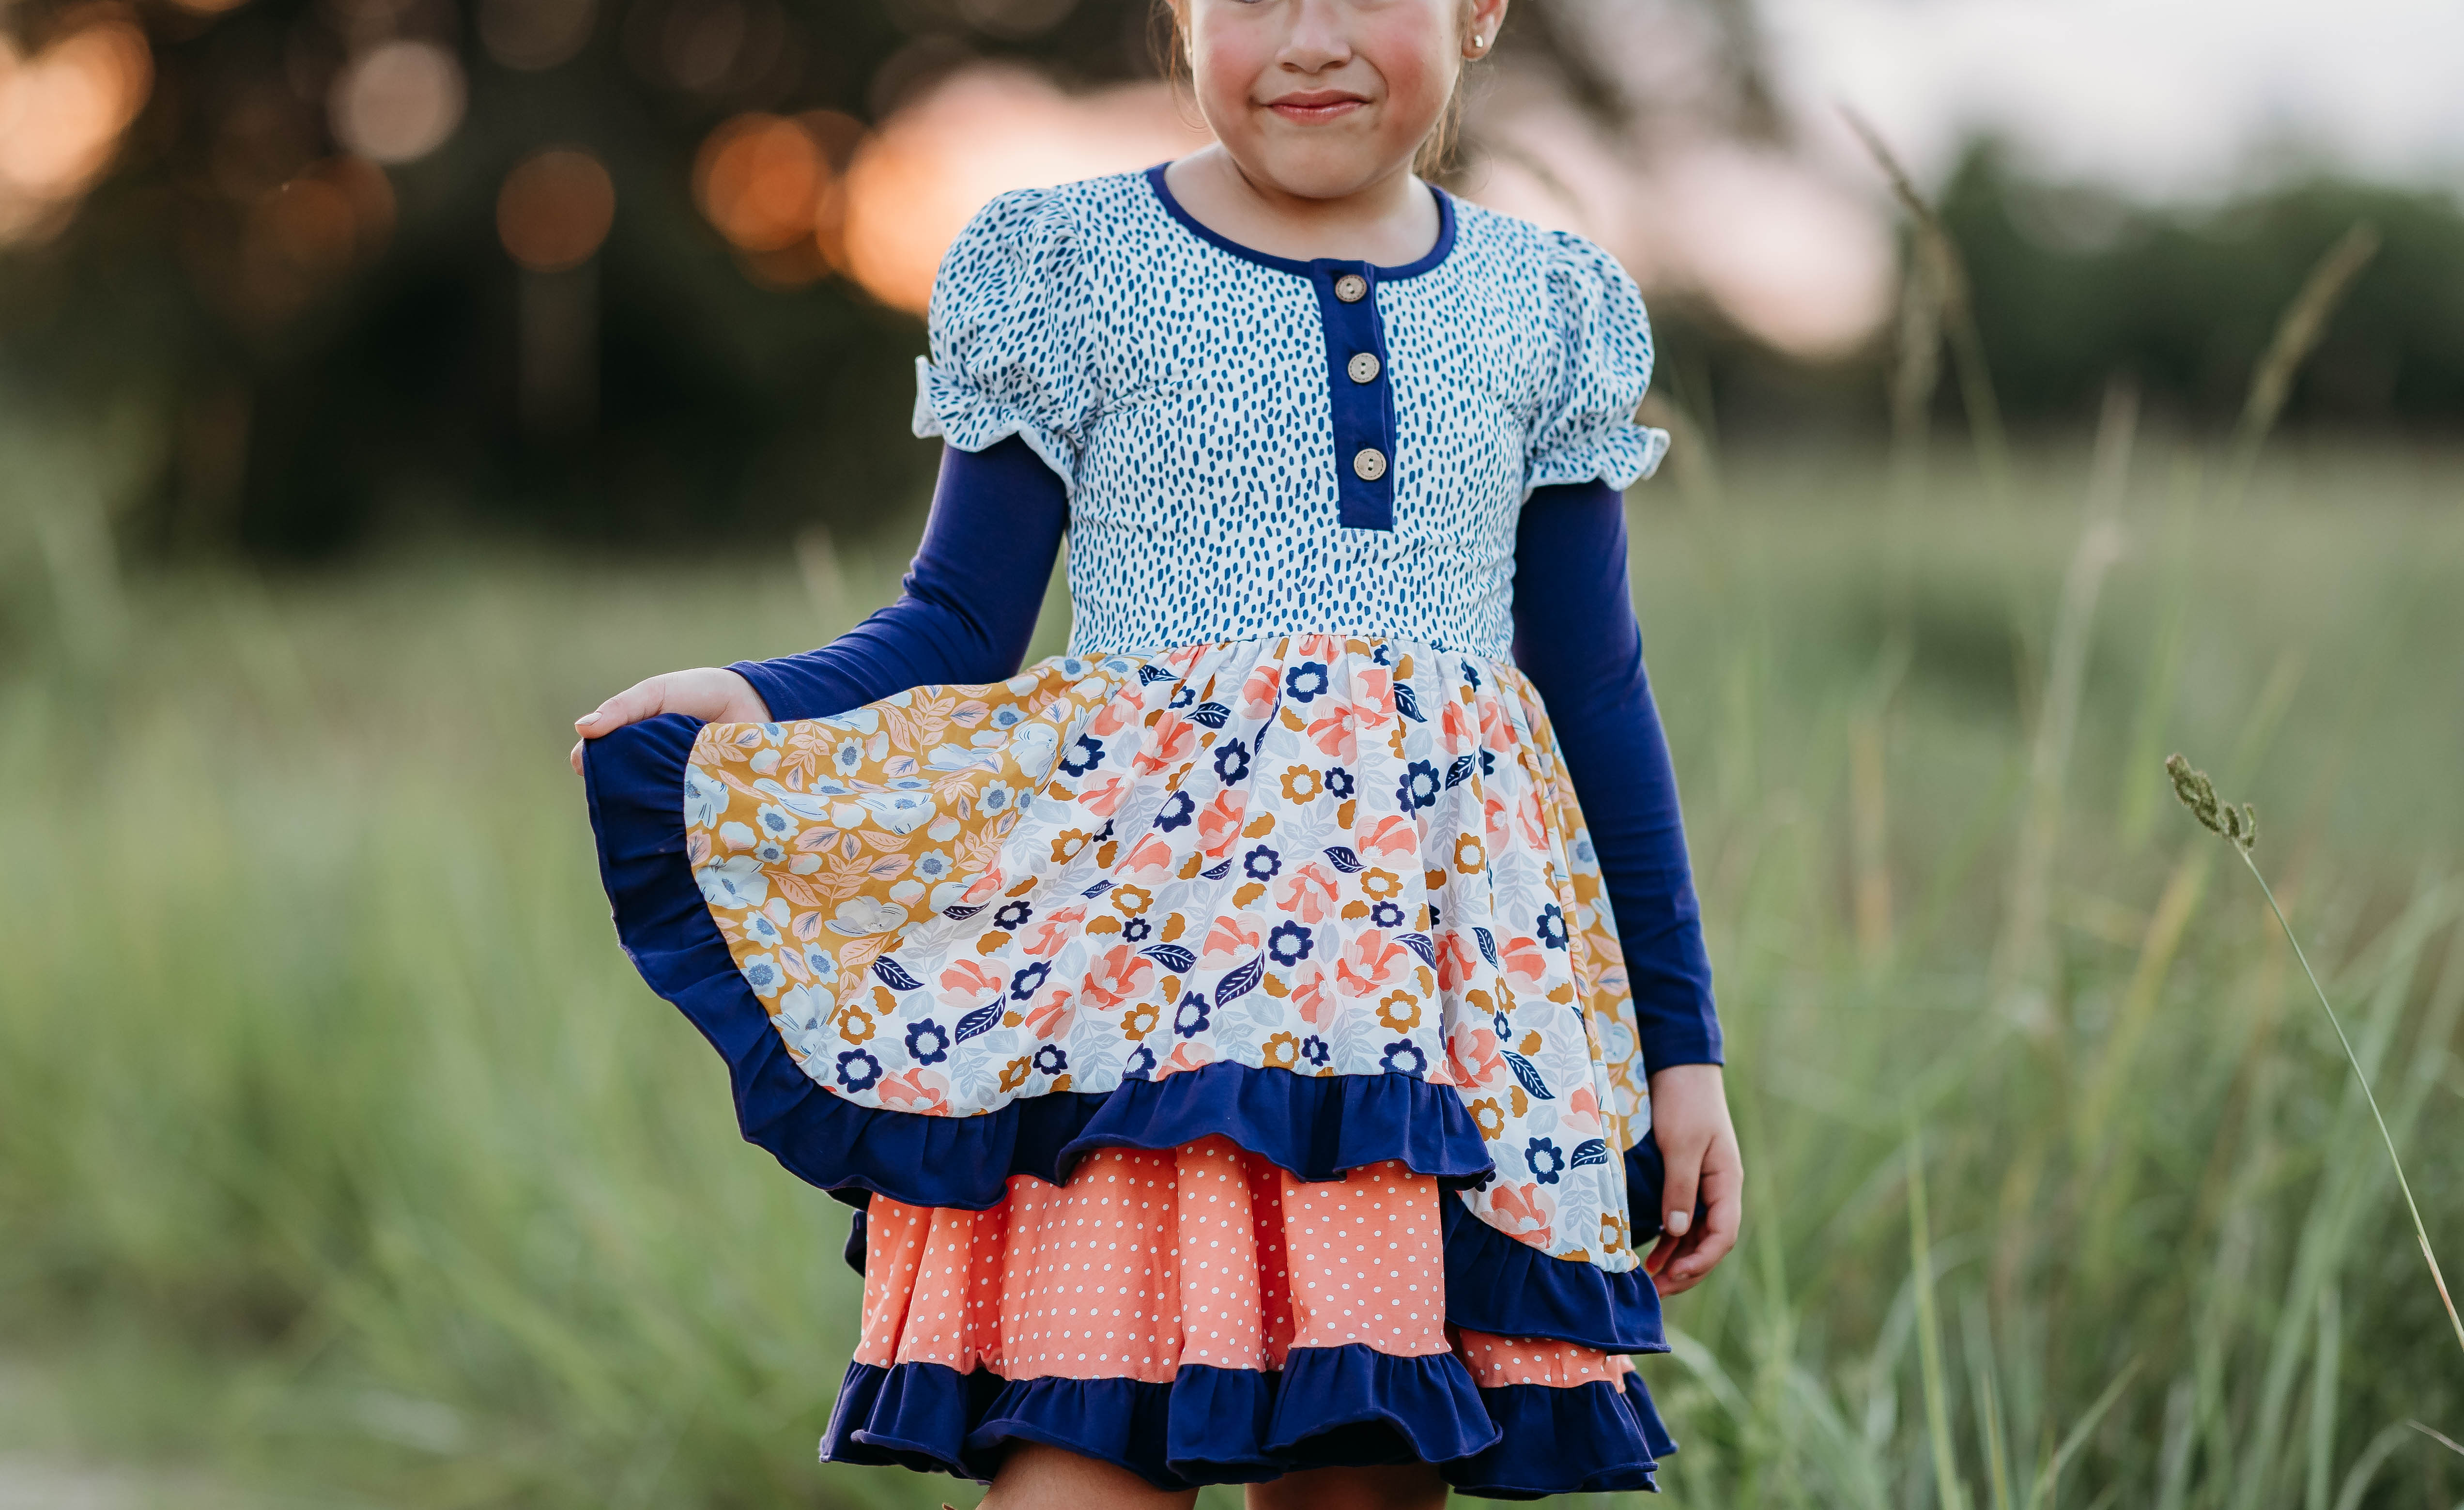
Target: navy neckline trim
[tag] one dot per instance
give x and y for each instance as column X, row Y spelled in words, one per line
column 1426, row 262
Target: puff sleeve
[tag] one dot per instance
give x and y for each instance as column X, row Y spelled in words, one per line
column 1600, row 348
column 1007, row 329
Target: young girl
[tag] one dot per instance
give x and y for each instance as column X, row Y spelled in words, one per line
column 1223, row 1029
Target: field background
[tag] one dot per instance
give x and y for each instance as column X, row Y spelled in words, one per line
column 344, row 1160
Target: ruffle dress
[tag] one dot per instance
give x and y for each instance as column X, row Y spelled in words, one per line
column 1221, row 1026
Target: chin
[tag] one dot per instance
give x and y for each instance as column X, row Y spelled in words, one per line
column 1325, row 169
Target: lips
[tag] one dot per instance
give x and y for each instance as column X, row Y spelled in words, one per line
column 1316, row 107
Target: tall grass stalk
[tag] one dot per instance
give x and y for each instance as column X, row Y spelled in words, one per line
column 2238, row 827
column 1951, row 1494
column 2297, row 332
column 1945, row 285
column 2022, row 987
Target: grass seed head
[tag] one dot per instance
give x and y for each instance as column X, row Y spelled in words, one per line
column 2198, row 794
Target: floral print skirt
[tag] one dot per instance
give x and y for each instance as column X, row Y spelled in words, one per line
column 1231, row 1047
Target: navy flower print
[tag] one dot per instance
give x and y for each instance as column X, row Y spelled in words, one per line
column 1231, row 763
column 927, row 1043
column 1262, row 863
column 1083, row 756
column 1012, row 916
column 1338, row 781
column 1176, row 811
column 858, row 1069
column 1418, row 787
column 1050, row 1059
column 1386, row 914
column 1551, row 923
column 1545, row 1160
column 1313, row 1049
column 1403, row 1057
column 1029, row 980
column 1190, row 1017
column 1305, row 683
column 1141, row 1065
column 1289, row 944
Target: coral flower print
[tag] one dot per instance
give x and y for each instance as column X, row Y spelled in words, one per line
column 1309, row 894
column 1120, row 975
column 1230, row 939
column 1219, row 824
column 1370, row 961
column 969, row 982
column 1174, row 740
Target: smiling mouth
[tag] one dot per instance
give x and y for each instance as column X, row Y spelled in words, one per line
column 1316, row 109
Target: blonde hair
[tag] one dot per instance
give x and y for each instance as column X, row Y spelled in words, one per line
column 1433, row 157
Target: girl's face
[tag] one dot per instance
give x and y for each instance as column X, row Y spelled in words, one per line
column 1321, row 97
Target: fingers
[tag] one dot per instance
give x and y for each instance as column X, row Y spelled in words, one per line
column 1700, row 1251
column 1681, row 1155
column 635, row 703
column 1677, row 1191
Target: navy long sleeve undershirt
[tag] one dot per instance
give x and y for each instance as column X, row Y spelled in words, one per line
column 977, row 583
column 1575, row 637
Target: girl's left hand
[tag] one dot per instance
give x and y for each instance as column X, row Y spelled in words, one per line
column 712, row 693
column 1689, row 1117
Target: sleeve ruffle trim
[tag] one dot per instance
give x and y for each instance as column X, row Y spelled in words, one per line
column 1621, row 457
column 959, row 412
column 1604, row 358
column 1007, row 325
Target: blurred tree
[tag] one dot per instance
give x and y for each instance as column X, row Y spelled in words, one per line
column 2072, row 282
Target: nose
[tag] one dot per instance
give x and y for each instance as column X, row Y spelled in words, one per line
column 1320, row 36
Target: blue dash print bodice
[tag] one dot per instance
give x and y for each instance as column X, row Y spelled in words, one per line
column 1256, row 445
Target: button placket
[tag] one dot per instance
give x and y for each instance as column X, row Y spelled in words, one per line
column 1360, row 399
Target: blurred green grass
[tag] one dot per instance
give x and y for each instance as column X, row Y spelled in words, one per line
column 341, row 1155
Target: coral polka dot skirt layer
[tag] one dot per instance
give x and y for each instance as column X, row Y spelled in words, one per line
column 1230, row 1050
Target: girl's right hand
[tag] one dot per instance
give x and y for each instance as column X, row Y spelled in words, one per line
column 711, row 693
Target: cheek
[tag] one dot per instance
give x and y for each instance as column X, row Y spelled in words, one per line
column 1410, row 50
column 1228, row 56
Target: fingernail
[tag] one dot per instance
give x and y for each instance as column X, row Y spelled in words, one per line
column 587, row 718
column 1677, row 1222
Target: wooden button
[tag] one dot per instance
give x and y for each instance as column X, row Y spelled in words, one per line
column 1363, row 367
column 1368, row 464
column 1351, row 288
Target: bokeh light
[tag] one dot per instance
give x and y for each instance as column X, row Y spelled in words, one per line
column 555, row 209
column 774, row 186
column 398, row 101
column 534, row 34
column 759, row 178
column 62, row 112
column 310, row 221
column 302, row 236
